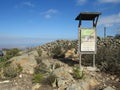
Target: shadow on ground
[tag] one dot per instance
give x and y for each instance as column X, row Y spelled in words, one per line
column 70, row 62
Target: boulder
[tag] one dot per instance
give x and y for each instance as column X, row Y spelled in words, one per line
column 75, row 86
column 108, row 88
column 70, row 53
column 63, row 77
column 86, row 84
column 36, row 86
column 26, row 61
column 34, row 53
column 46, row 62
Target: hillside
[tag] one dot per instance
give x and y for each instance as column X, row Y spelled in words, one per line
column 54, row 66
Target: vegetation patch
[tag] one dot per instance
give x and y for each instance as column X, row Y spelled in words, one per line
column 39, row 52
column 77, row 73
column 11, row 71
column 37, row 78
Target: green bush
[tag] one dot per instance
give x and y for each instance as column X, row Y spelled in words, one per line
column 2, row 63
column 37, row 78
column 77, row 73
column 13, row 51
column 108, row 59
column 57, row 52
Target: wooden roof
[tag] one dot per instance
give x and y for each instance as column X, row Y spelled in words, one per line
column 87, row 15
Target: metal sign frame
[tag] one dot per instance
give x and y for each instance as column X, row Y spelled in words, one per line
column 80, row 41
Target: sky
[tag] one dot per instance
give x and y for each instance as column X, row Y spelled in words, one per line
column 34, row 22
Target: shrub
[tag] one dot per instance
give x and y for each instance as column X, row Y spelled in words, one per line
column 11, row 71
column 98, row 38
column 77, row 73
column 117, row 36
column 13, row 51
column 57, row 52
column 19, row 68
column 41, row 68
column 39, row 52
column 8, row 56
column 2, row 63
column 108, row 59
column 37, row 78
column 57, row 65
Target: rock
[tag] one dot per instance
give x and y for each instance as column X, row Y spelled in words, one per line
column 70, row 53
column 108, row 88
column 75, row 86
column 61, row 82
column 45, row 87
column 62, row 73
column 6, row 81
column 17, row 83
column 46, row 62
column 88, row 83
column 44, row 53
column 92, row 69
column 27, row 62
column 63, row 77
column 36, row 86
column 54, row 83
column 117, row 79
column 34, row 53
column 20, row 75
column 83, row 85
column 93, row 82
column 61, row 88
column 112, row 77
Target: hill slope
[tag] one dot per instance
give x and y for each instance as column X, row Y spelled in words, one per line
column 46, row 68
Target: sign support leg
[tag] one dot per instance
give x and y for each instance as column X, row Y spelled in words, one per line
column 94, row 60
column 80, row 61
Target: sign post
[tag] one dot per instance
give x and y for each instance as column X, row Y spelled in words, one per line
column 87, row 36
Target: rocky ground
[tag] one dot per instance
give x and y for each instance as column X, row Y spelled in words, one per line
column 93, row 79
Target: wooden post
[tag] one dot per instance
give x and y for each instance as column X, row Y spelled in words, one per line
column 79, row 37
column 80, row 55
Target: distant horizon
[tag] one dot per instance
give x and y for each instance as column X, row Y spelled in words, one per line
column 28, row 44
column 32, row 22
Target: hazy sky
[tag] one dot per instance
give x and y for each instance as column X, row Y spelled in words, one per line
column 38, row 21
